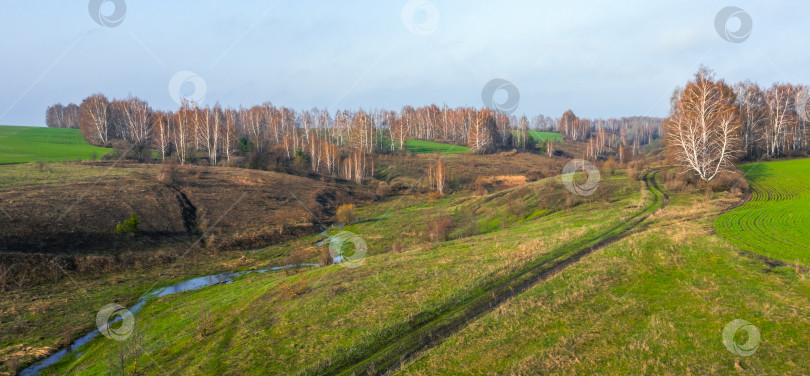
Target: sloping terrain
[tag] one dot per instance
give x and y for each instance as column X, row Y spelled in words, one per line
column 35, row 144
column 775, row 222
column 318, row 319
column 59, row 218
column 655, row 302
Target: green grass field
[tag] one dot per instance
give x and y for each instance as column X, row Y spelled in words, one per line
column 538, row 136
column 653, row 303
column 653, row 300
column 423, row 147
column 268, row 330
column 35, row 144
column 776, row 221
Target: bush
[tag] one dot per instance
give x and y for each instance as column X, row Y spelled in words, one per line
column 258, row 160
column 383, row 190
column 397, row 248
column 635, row 170
column 300, row 256
column 113, row 155
column 610, row 166
column 169, row 173
column 346, row 214
column 676, row 186
column 129, row 226
column 438, row 227
column 728, row 181
column 516, row 208
column 396, row 186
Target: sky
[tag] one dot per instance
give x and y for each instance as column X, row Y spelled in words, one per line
column 599, row 58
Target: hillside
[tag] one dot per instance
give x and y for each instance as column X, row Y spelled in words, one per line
column 774, row 223
column 518, row 282
column 34, row 144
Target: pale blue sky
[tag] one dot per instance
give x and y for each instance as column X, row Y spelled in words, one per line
column 599, row 58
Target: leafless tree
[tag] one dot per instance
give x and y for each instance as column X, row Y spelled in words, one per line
column 161, row 134
column 93, row 121
column 702, row 130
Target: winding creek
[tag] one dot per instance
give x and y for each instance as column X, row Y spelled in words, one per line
column 335, row 241
column 188, row 285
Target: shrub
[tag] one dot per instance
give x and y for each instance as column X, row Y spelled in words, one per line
column 169, row 173
column 205, row 322
column 383, row 190
column 516, row 207
column 438, row 227
column 326, row 257
column 396, row 186
column 346, row 214
column 489, row 226
column 397, row 248
column 129, row 226
column 571, row 201
column 676, row 186
column 727, row 181
column 113, row 155
column 635, row 170
column 610, row 166
column 300, row 256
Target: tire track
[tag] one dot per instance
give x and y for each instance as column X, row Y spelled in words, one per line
column 429, row 329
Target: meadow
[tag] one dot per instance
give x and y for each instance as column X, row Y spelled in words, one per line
column 539, row 136
column 429, row 147
column 35, row 144
column 655, row 302
column 525, row 279
column 775, row 222
column 320, row 320
column 636, row 301
column 424, row 147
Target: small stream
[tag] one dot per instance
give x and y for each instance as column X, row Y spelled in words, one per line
column 188, row 285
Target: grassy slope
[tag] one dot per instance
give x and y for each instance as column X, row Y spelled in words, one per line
column 35, row 144
column 545, row 136
column 653, row 303
column 776, row 221
column 260, row 326
column 421, row 147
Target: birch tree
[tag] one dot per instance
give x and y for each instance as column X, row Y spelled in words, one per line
column 93, row 122
column 702, row 131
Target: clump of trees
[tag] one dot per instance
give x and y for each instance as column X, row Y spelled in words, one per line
column 713, row 124
column 603, row 136
column 339, row 144
column 59, row 116
column 774, row 121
